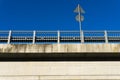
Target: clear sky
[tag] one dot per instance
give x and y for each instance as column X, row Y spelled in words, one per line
column 58, row 14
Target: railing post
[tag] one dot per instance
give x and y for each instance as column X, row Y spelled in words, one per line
column 106, row 36
column 58, row 40
column 34, row 35
column 9, row 36
column 82, row 36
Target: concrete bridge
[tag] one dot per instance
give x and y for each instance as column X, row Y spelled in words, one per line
column 57, row 42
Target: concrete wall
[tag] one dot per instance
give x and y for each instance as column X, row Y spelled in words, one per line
column 59, row 70
column 59, row 48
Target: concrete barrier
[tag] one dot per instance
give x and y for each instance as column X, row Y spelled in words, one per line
column 50, row 48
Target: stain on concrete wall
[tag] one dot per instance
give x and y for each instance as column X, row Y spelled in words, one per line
column 50, row 48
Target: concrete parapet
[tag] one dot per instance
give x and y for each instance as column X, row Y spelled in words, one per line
column 50, row 48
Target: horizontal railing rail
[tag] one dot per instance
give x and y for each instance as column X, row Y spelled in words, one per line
column 36, row 37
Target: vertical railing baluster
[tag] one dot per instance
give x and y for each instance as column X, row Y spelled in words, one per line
column 9, row 36
column 106, row 36
column 34, row 36
column 82, row 36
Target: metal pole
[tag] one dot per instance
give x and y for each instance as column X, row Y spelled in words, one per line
column 80, row 24
column 9, row 36
column 82, row 36
column 106, row 36
column 34, row 35
column 58, row 40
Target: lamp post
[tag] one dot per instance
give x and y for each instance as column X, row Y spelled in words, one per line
column 80, row 18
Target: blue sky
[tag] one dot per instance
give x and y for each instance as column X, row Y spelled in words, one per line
column 58, row 14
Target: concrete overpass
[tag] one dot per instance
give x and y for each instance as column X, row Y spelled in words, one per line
column 60, row 70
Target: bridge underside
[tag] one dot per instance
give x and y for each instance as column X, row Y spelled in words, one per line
column 60, row 57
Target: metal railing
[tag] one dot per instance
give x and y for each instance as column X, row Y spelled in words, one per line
column 45, row 37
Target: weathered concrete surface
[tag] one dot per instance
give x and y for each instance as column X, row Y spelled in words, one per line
column 24, row 48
